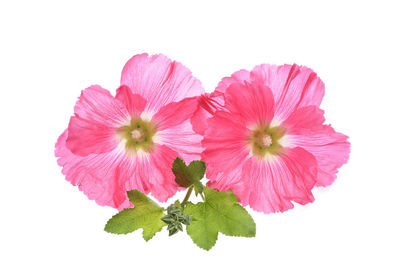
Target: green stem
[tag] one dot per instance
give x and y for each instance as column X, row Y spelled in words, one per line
column 187, row 196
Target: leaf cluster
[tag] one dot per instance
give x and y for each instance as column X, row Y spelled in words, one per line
column 219, row 212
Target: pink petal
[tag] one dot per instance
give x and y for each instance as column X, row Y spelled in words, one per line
column 307, row 117
column 224, row 181
column 134, row 103
column 254, row 102
column 182, row 139
column 94, row 174
column 175, row 113
column 159, row 80
column 208, row 105
column 199, row 120
column 150, row 173
column 240, row 76
column 293, row 86
column 175, row 130
column 97, row 115
column 225, row 143
column 272, row 186
column 330, row 148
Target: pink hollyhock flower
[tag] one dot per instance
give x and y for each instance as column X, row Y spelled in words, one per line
column 265, row 137
column 115, row 144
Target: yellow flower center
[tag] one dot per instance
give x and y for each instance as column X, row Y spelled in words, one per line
column 138, row 135
column 265, row 140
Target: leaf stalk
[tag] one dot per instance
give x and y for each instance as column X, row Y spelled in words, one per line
column 189, row 192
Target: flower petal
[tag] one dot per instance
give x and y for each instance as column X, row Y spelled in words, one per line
column 225, row 143
column 174, row 128
column 134, row 103
column 208, row 105
column 150, row 173
column 182, row 139
column 303, row 119
column 240, row 76
column 97, row 115
column 271, row 186
column 94, row 174
column 175, row 113
column 330, row 148
column 293, row 86
column 159, row 80
column 254, row 102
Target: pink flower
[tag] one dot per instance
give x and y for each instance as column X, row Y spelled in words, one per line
column 115, row 144
column 266, row 139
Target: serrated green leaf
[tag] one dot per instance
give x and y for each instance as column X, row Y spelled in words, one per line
column 197, row 168
column 198, row 187
column 220, row 212
column 183, row 176
column 186, row 176
column 146, row 215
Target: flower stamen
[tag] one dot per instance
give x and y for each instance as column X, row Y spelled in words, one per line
column 138, row 135
column 266, row 140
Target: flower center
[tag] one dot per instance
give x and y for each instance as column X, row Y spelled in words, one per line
column 138, row 135
column 265, row 140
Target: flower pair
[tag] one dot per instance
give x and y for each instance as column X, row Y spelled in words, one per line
column 261, row 134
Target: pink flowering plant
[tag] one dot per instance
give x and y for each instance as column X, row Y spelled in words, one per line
column 259, row 138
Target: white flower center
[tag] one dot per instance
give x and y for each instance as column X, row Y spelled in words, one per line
column 136, row 134
column 266, row 140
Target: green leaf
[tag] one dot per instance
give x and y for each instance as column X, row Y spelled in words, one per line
column 181, row 172
column 185, row 176
column 198, row 187
column 146, row 215
column 220, row 212
column 197, row 168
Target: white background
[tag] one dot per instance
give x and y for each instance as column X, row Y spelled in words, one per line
column 50, row 51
